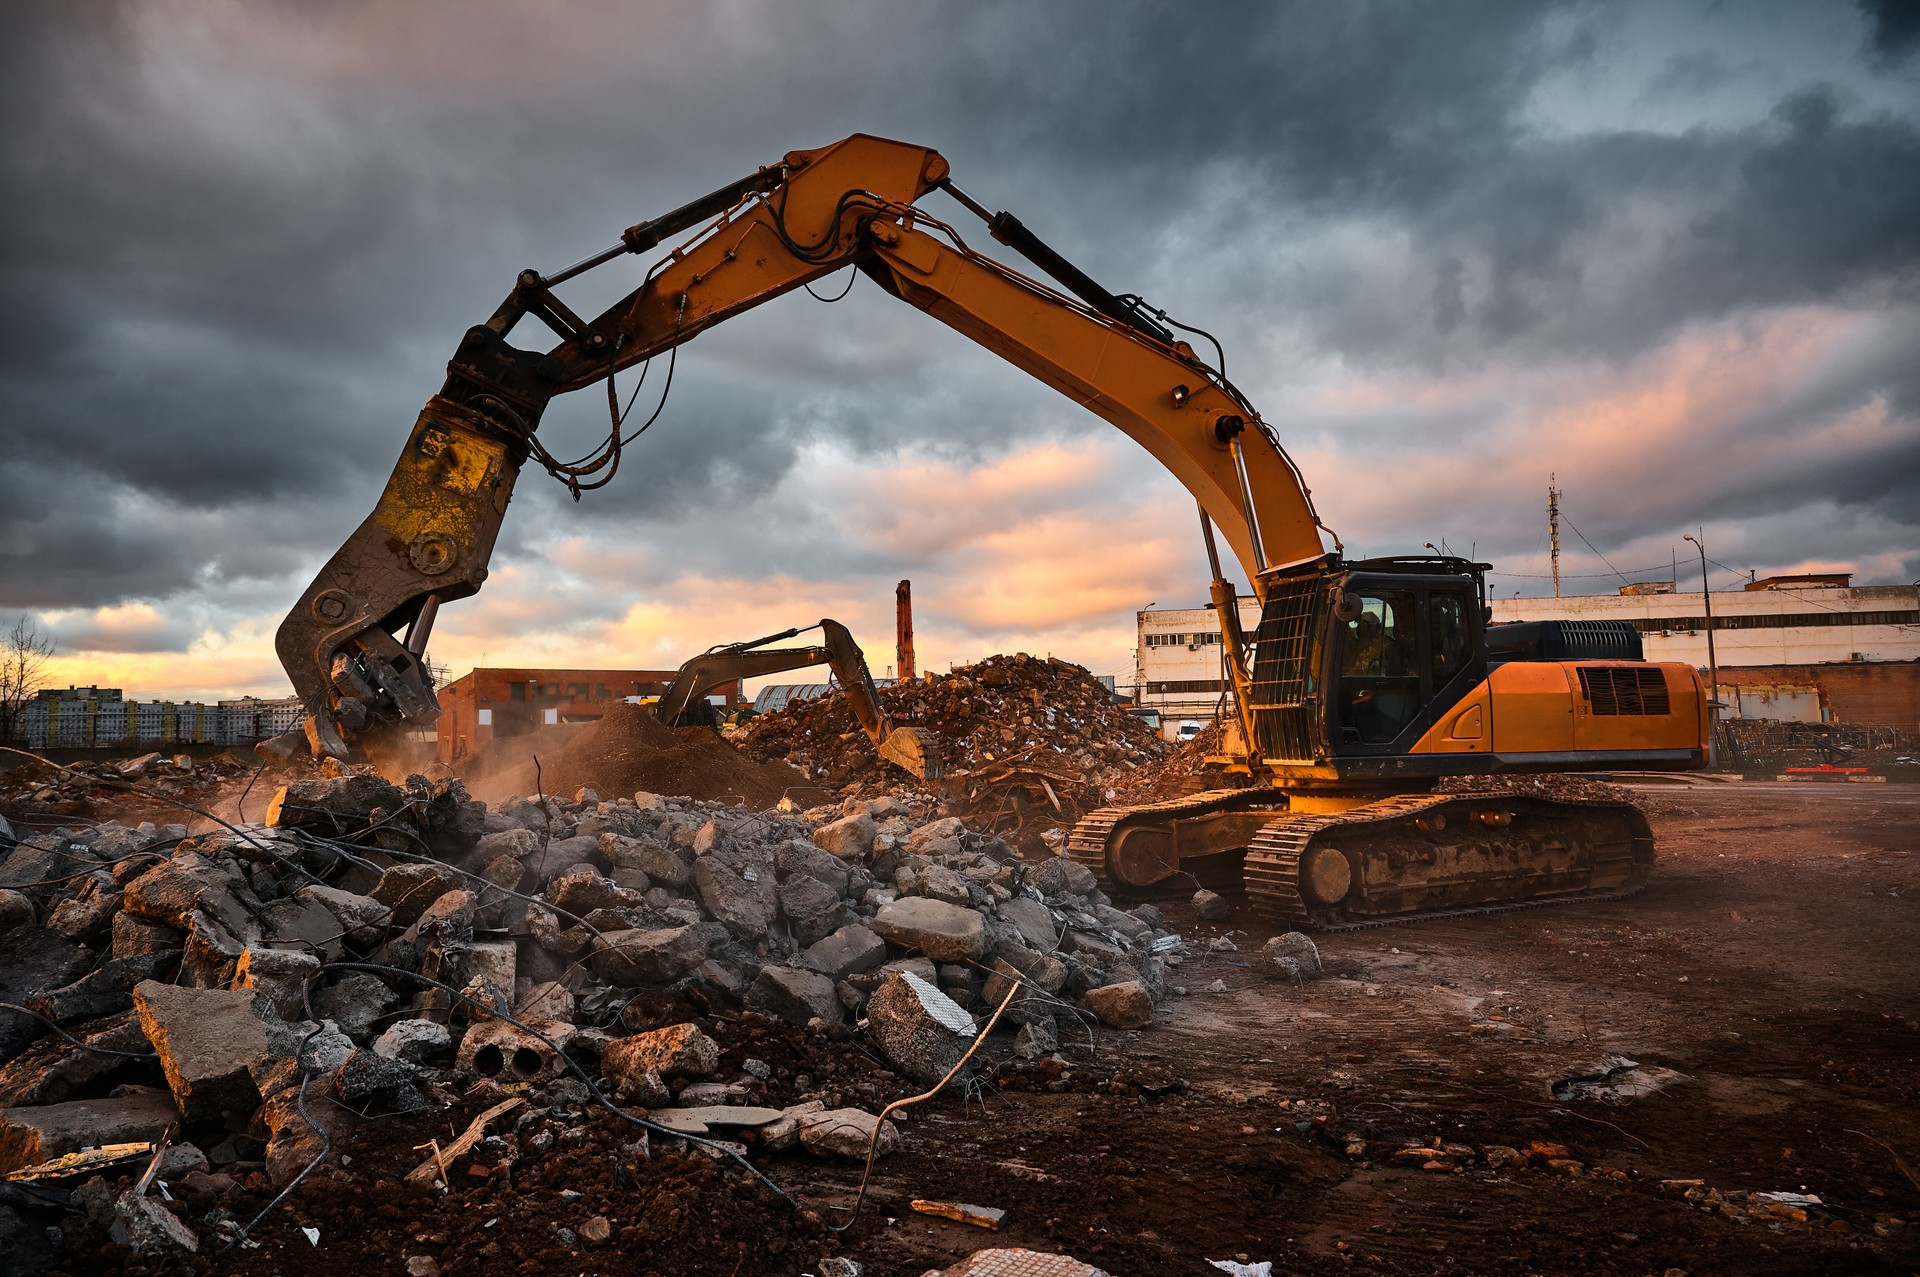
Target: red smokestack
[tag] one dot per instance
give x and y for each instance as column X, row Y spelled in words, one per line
column 903, row 630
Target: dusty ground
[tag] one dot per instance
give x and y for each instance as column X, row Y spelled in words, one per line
column 1771, row 962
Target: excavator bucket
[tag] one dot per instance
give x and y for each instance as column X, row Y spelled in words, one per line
column 915, row 750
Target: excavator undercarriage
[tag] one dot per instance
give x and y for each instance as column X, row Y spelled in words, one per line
column 1405, row 858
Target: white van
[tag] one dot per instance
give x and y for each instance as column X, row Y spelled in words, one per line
column 1187, row 730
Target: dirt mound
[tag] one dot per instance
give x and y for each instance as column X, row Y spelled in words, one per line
column 629, row 749
column 1030, row 743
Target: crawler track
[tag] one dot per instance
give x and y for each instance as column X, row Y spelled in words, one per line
column 1096, row 831
column 1553, row 851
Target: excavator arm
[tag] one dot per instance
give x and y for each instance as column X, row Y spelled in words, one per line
column 913, row 749
column 354, row 644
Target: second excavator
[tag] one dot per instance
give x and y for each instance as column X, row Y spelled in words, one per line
column 913, row 749
column 1363, row 685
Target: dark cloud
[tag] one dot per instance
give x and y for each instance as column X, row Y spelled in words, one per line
column 241, row 241
column 1894, row 28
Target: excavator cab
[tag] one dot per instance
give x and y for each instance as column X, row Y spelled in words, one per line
column 1359, row 662
column 1404, row 647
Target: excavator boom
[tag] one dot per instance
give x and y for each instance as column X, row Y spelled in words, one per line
column 353, row 644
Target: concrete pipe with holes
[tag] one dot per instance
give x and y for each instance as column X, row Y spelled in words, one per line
column 495, row 1051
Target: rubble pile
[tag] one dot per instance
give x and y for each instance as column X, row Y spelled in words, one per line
column 1029, row 743
column 1576, row 788
column 82, row 789
column 1181, row 772
column 376, row 949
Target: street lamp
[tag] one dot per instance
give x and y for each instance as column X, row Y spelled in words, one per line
column 1713, row 666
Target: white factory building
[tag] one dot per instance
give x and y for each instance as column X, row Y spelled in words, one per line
column 1809, row 647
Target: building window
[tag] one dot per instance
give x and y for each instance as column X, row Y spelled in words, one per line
column 1178, row 686
column 485, row 718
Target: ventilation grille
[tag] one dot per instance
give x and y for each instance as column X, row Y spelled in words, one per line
column 1614, row 689
column 1285, row 652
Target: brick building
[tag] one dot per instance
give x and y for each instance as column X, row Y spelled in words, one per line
column 488, row 703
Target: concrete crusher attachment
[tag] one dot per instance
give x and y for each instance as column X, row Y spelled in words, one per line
column 1400, row 859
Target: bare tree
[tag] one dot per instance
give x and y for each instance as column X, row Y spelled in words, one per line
column 23, row 662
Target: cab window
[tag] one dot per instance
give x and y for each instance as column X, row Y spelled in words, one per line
column 1379, row 667
column 1447, row 617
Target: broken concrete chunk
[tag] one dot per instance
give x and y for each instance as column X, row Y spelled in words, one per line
column 850, row 837
column 409, row 889
column 498, row 1051
column 366, row 1080
column 1036, row 1038
column 1127, row 1005
column 920, row 1030
column 796, row 996
column 561, row 856
column 53, row 1069
column 29, row 1136
column 86, row 907
column 944, row 932
column 135, row 937
column 1062, row 876
column 415, row 1041
column 852, row 950
column 738, row 886
column 656, row 956
column 583, row 889
column 171, row 891
column 1211, row 906
column 16, row 910
column 812, row 907
column 1292, row 956
column 795, row 857
column 1034, row 921
column 355, row 1001
column 941, row 838
column 784, row 1131
column 516, row 842
column 205, row 1039
column 280, row 976
column 364, row 919
column 145, row 1226
column 333, row 807
column 677, row 1051
column 660, row 864
column 106, row 990
column 847, row 1133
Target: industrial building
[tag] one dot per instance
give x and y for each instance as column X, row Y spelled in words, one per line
column 487, row 703
column 1811, row 648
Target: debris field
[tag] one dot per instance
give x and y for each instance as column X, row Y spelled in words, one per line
column 1030, row 743
column 644, row 1033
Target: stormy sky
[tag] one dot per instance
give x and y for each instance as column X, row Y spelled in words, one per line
column 1668, row 252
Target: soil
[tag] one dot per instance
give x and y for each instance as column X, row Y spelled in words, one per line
column 1770, row 963
column 627, row 750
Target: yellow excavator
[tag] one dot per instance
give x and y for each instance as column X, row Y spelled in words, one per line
column 683, row 704
column 1363, row 685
